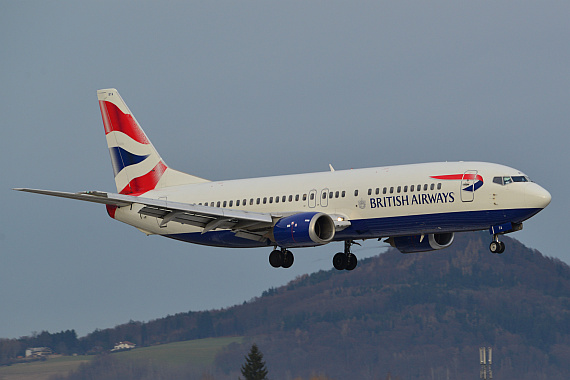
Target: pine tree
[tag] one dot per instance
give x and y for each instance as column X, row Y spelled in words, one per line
column 254, row 366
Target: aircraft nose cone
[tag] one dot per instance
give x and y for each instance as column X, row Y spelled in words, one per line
column 537, row 196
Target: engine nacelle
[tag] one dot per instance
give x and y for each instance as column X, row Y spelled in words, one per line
column 307, row 229
column 422, row 243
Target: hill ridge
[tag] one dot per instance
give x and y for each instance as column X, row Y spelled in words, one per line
column 404, row 314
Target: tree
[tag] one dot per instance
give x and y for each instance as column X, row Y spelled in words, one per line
column 254, row 366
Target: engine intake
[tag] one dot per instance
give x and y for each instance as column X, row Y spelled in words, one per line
column 422, row 243
column 307, row 229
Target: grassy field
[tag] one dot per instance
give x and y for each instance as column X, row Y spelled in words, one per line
column 42, row 370
column 198, row 353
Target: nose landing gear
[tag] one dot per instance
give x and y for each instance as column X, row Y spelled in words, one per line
column 497, row 246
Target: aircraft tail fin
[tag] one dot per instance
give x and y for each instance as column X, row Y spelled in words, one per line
column 137, row 166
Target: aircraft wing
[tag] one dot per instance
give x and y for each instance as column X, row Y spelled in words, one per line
column 246, row 224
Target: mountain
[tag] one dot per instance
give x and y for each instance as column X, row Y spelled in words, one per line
column 418, row 316
column 413, row 316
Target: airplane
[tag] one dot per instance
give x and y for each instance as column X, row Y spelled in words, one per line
column 415, row 208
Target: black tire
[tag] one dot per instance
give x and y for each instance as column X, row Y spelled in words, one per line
column 352, row 262
column 276, row 259
column 288, row 259
column 501, row 247
column 495, row 246
column 339, row 261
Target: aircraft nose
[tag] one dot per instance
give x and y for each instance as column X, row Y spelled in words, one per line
column 536, row 196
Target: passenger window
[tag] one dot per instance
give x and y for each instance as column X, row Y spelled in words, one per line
column 392, row 190
column 231, row 203
column 355, row 193
column 399, row 189
column 405, row 189
column 425, row 187
column 343, row 194
column 439, row 186
column 324, row 196
column 258, row 200
column 237, row 203
column 277, row 199
column 212, row 204
column 336, row 194
column 312, row 196
column 225, row 203
column 270, row 199
column 251, row 201
column 244, row 202
column 432, row 186
column 304, row 197
column 369, row 191
column 290, row 198
column 384, row 190
column 284, row 198
column 297, row 198
column 218, row 204
column 412, row 188
column 264, row 200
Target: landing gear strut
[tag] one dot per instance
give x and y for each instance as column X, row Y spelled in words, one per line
column 497, row 246
column 345, row 260
column 282, row 258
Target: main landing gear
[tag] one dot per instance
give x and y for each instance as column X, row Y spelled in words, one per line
column 282, row 258
column 497, row 246
column 345, row 260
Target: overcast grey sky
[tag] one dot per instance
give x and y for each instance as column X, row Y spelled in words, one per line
column 238, row 89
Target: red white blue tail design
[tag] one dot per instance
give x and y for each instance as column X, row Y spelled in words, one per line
column 137, row 166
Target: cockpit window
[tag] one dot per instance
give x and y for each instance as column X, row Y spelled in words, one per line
column 520, row 178
column 505, row 180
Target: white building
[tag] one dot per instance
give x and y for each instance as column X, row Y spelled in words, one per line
column 36, row 352
column 123, row 346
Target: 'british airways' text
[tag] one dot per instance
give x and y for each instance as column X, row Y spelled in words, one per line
column 408, row 200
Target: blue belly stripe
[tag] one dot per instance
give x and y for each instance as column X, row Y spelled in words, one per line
column 383, row 227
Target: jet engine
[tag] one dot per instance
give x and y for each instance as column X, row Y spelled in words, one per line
column 422, row 243
column 307, row 229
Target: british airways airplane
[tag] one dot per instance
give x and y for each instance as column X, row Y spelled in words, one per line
column 414, row 207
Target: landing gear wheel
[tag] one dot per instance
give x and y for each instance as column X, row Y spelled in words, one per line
column 276, row 259
column 497, row 247
column 340, row 261
column 352, row 262
column 287, row 259
column 501, row 248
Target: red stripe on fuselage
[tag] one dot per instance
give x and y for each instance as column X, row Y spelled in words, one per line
column 458, row 177
column 146, row 182
column 115, row 120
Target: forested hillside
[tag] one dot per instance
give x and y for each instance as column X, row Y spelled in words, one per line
column 415, row 316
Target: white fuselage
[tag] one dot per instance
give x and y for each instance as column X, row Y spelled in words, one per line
column 378, row 202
